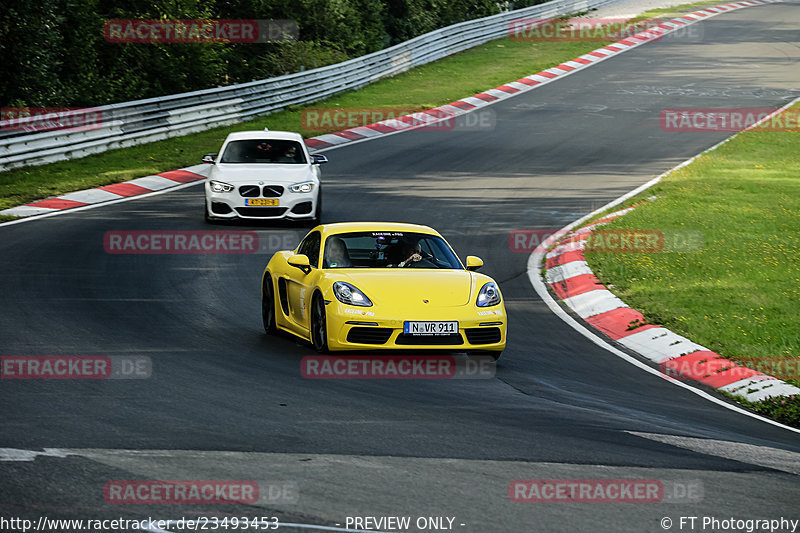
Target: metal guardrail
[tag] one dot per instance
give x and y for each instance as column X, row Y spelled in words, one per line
column 130, row 123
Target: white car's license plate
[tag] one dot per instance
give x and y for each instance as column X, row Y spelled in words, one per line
column 430, row 328
column 261, row 201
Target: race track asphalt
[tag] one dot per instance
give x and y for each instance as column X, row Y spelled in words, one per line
column 227, row 402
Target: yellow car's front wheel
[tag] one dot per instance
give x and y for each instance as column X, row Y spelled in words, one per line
column 319, row 326
column 268, row 306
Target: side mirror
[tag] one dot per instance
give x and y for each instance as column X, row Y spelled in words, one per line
column 300, row 261
column 317, row 159
column 210, row 158
column 474, row 262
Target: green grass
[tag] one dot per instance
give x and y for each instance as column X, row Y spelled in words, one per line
column 737, row 295
column 783, row 410
column 427, row 86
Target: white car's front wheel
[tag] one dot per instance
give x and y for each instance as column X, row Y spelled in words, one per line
column 317, row 218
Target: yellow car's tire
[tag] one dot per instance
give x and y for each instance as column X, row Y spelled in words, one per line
column 268, row 306
column 319, row 326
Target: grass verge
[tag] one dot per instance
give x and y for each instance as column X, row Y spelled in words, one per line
column 738, row 292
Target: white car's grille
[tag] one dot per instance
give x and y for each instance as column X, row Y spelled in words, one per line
column 272, row 191
column 269, row 191
column 249, row 191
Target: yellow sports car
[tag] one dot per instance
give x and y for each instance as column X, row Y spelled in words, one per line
column 368, row 285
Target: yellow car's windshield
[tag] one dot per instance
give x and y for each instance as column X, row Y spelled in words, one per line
column 388, row 249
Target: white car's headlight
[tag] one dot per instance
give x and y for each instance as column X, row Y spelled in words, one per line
column 489, row 295
column 348, row 294
column 219, row 186
column 306, row 186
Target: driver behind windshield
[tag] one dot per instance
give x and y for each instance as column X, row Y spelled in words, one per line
column 290, row 155
column 336, row 255
column 411, row 252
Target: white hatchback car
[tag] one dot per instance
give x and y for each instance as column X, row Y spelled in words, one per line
column 262, row 175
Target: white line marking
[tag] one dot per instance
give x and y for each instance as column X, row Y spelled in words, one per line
column 594, row 302
column 365, row 131
column 660, row 344
column 153, row 183
column 568, row 270
column 473, row 100
column 497, row 93
column 90, row 196
column 332, row 138
column 28, row 210
column 17, row 455
column 765, row 456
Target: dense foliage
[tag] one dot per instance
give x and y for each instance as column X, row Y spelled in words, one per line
column 54, row 52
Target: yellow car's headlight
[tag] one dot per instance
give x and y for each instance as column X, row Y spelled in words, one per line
column 489, row 295
column 349, row 294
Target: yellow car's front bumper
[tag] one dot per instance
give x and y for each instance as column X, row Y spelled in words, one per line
column 367, row 328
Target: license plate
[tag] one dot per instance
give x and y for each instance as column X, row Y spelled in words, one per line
column 430, row 328
column 261, row 202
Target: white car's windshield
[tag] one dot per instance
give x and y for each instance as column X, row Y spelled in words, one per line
column 264, row 151
column 388, row 249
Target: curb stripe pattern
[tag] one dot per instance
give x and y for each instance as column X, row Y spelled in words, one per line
column 107, row 193
column 569, row 276
column 177, row 177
